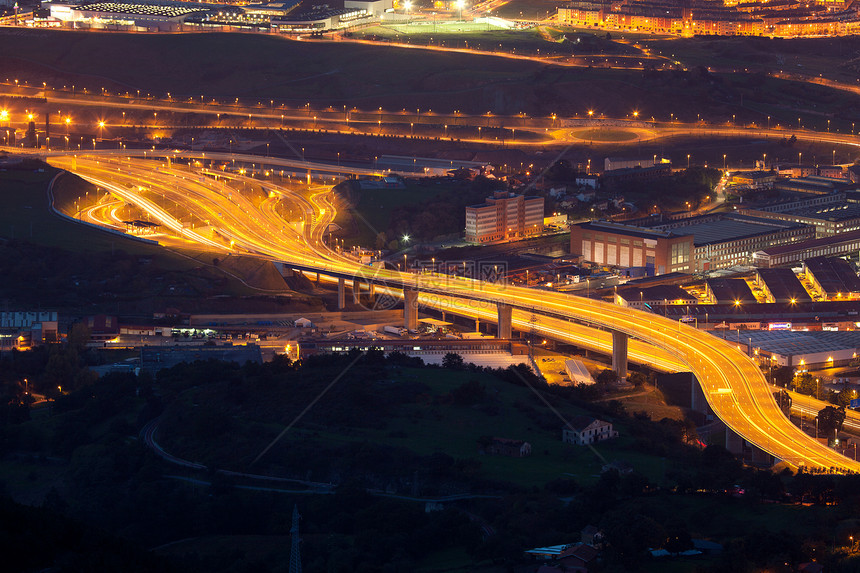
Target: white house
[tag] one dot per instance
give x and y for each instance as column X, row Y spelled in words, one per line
column 584, row 430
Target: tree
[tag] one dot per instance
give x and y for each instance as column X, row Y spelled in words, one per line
column 806, row 383
column 607, row 377
column 783, row 400
column 79, row 336
column 637, row 378
column 830, row 420
column 843, row 398
column 381, row 240
column 783, row 375
column 453, row 361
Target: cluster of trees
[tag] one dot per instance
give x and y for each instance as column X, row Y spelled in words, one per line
column 806, row 383
column 115, row 483
column 443, row 215
column 675, row 191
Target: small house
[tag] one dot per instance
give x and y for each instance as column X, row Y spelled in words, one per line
column 504, row 447
column 583, row 430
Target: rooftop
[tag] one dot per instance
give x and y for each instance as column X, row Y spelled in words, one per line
column 140, row 8
column 786, row 342
column 784, row 285
column 813, row 243
column 834, row 275
column 620, row 229
column 710, row 229
column 657, row 292
column 828, row 212
column 729, row 291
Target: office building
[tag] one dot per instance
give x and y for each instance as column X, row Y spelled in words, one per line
column 504, row 216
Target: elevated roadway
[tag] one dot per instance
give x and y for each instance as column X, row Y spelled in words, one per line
column 733, row 385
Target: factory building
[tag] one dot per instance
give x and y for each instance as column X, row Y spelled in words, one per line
column 729, row 239
column 615, row 244
column 781, row 286
column 832, row 278
column 838, row 245
column 830, row 214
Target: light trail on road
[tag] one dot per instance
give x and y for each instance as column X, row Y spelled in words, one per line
column 733, row 385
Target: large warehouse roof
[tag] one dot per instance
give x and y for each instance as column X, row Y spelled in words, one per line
column 162, row 9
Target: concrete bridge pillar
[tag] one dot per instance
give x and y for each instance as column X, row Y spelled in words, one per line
column 341, row 294
column 356, row 292
column 410, row 308
column 734, row 443
column 505, row 329
column 619, row 354
column 698, row 402
column 761, row 457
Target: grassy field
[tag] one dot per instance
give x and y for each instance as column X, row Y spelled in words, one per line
column 832, row 57
column 242, row 65
column 436, row 426
column 610, row 135
column 26, row 215
column 260, row 68
column 375, row 206
column 476, row 36
column 101, row 257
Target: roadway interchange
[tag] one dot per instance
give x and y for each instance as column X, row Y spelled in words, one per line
column 734, row 386
column 534, row 131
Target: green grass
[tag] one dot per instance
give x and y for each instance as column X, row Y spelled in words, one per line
column 428, row 26
column 373, row 213
column 428, row 428
column 260, row 67
column 611, row 135
column 26, row 214
column 448, row 560
column 243, row 65
column 492, row 38
column 718, row 517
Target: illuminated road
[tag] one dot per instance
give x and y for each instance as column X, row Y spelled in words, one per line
column 733, row 384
